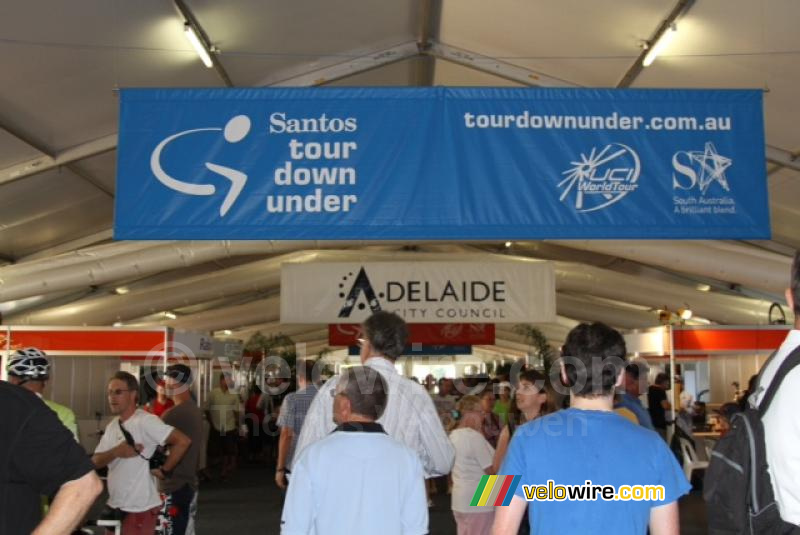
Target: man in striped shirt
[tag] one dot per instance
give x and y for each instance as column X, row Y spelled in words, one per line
column 410, row 416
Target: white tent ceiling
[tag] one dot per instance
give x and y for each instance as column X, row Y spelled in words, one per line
column 63, row 61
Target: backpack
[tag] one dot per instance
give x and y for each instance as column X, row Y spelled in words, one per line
column 737, row 486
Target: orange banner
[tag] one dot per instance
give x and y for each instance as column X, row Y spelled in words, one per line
column 120, row 341
column 710, row 340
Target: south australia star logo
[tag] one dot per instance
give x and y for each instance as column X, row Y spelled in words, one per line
column 700, row 169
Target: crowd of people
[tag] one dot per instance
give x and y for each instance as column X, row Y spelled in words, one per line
column 487, row 436
column 363, row 452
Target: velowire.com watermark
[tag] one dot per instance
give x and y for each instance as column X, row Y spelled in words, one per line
column 498, row 491
column 588, row 491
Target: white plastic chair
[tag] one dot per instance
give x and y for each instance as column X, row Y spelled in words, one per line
column 116, row 525
column 109, row 525
column 690, row 461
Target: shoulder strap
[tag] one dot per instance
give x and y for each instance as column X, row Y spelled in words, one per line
column 788, row 364
column 759, row 378
column 128, row 437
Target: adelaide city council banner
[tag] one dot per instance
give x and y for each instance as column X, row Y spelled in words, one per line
column 419, row 292
column 440, row 163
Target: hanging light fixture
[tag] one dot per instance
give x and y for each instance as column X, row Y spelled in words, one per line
column 198, row 44
column 658, row 47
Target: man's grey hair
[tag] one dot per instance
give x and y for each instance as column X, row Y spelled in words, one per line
column 387, row 333
column 366, row 389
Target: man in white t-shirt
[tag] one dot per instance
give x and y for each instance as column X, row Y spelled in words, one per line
column 357, row 479
column 781, row 424
column 131, row 484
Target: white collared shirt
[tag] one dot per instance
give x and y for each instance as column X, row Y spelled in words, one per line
column 782, row 431
column 409, row 417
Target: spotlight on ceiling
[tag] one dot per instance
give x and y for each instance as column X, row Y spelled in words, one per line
column 227, row 332
column 121, row 290
column 685, row 313
column 170, row 315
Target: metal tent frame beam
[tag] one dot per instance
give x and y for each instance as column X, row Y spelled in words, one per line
column 44, row 163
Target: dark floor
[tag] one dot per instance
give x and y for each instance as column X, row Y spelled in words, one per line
column 249, row 502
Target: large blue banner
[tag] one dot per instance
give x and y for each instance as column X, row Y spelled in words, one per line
column 440, row 163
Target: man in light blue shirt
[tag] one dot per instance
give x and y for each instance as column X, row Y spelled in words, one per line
column 635, row 382
column 357, row 479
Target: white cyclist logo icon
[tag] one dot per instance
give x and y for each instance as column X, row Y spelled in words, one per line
column 235, row 130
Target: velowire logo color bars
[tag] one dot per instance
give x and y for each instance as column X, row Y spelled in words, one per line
column 500, row 488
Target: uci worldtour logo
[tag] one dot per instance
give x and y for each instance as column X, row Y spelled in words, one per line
column 234, row 131
column 602, row 178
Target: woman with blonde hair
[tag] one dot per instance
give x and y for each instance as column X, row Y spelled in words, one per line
column 473, row 460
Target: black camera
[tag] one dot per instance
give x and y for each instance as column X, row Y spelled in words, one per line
column 158, row 458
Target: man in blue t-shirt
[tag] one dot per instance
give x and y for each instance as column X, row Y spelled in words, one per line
column 587, row 446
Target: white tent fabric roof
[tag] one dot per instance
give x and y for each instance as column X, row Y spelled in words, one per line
column 63, row 61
